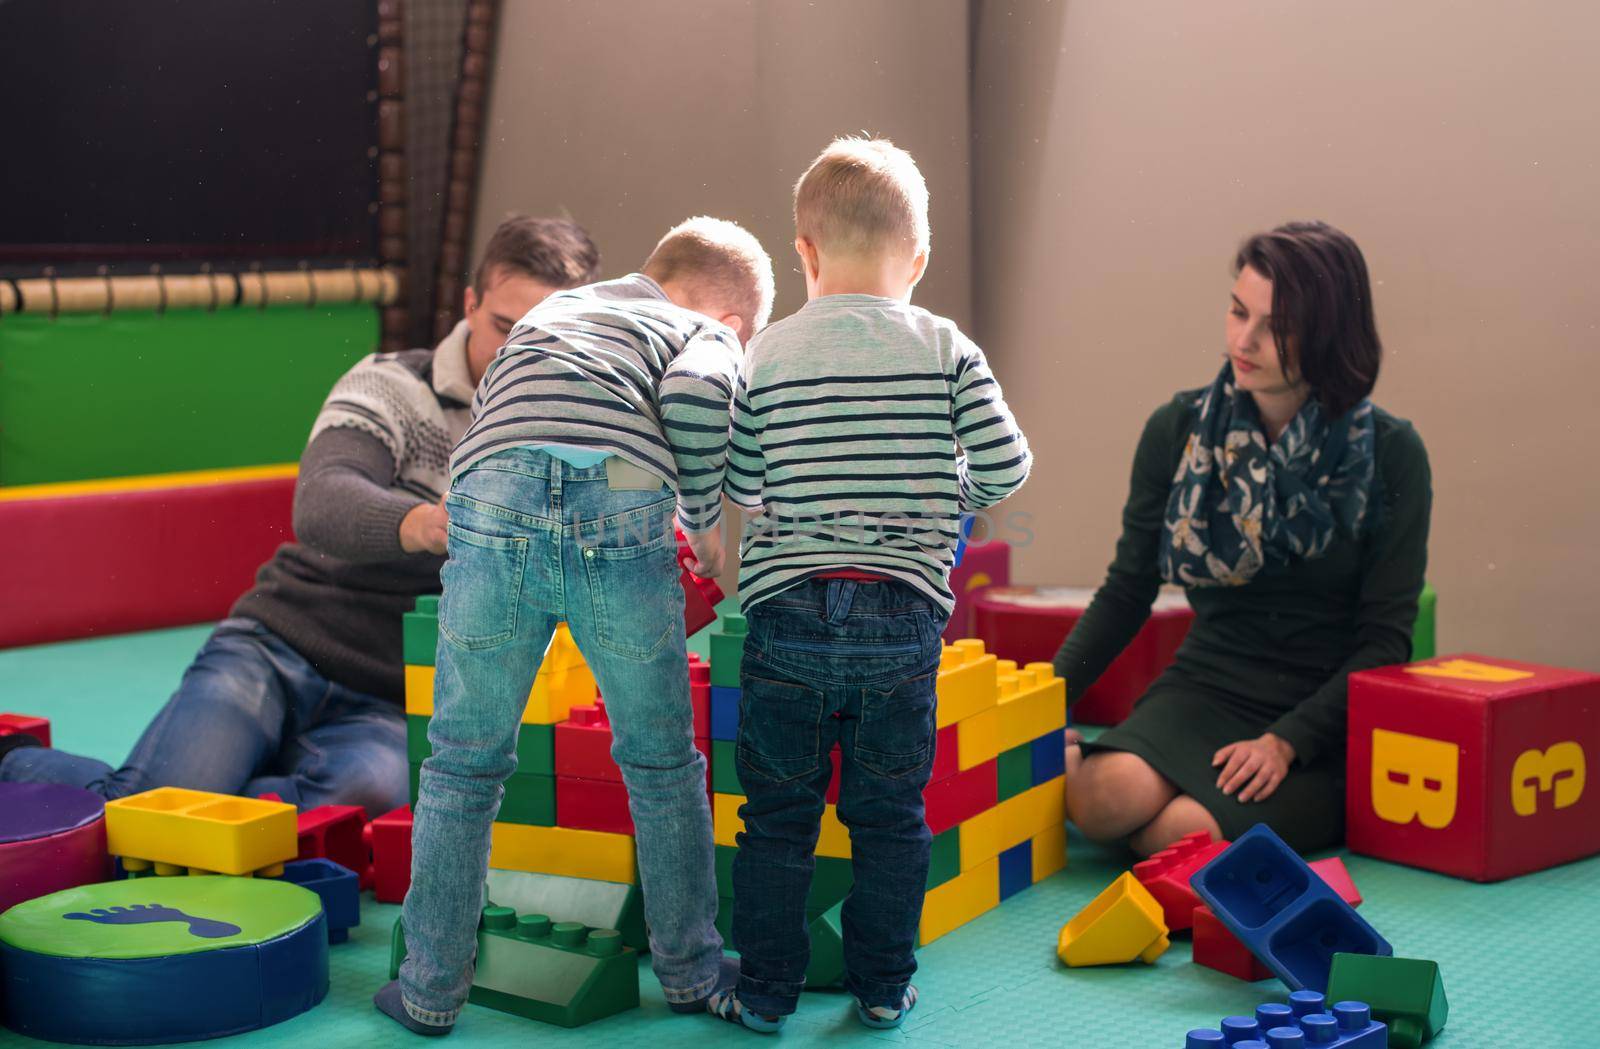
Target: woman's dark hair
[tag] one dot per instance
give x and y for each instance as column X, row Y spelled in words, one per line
column 1321, row 307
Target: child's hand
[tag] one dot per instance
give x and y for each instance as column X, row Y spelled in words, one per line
column 707, row 550
column 425, row 528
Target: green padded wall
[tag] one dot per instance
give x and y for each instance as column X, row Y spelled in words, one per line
column 86, row 396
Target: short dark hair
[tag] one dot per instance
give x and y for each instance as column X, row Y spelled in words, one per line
column 556, row 252
column 1321, row 307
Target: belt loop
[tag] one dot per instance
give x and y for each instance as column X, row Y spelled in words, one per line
column 839, row 596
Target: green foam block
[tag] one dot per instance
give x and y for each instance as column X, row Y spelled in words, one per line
column 1405, row 993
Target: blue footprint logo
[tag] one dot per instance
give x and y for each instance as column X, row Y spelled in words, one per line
column 148, row 913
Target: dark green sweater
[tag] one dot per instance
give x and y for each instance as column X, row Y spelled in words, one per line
column 1277, row 650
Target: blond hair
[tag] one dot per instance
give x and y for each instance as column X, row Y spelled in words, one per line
column 720, row 263
column 863, row 197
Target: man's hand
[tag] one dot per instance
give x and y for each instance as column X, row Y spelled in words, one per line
column 425, row 528
column 707, row 550
column 1253, row 767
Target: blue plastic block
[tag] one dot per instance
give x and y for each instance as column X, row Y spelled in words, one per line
column 1016, row 869
column 1049, row 756
column 338, row 888
column 1305, row 1023
column 724, row 713
column 1282, row 911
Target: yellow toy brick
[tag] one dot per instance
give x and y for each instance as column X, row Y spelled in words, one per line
column 177, row 830
column 1033, row 703
column 1012, row 822
column 1049, row 852
column 966, row 682
column 978, row 738
column 563, row 682
column 960, row 900
column 833, row 840
column 563, row 851
column 1122, row 923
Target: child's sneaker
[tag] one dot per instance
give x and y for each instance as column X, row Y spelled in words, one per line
column 726, row 1004
column 882, row 1017
column 727, row 978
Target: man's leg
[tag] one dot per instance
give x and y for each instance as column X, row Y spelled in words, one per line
column 224, row 722
column 354, row 754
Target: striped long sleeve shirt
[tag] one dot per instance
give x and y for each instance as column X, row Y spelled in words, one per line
column 863, row 428
column 616, row 367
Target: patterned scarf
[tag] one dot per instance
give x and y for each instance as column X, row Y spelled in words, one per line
column 1237, row 501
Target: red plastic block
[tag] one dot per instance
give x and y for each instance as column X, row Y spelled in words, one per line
column 700, row 596
column 1217, row 948
column 136, row 559
column 700, row 695
column 956, row 799
column 1028, row 623
column 391, row 855
column 1474, row 766
column 583, row 747
column 946, row 754
column 337, row 833
column 982, row 565
column 593, row 804
column 1332, row 870
column 1166, row 875
column 11, row 724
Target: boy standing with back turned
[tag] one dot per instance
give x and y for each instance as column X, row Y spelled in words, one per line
column 863, row 427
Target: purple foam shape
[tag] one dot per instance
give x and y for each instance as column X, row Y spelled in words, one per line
column 39, row 810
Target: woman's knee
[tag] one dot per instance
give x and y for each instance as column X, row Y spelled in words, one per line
column 1113, row 794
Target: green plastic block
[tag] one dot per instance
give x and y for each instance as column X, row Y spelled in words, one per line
column 428, row 605
column 415, row 781
column 827, row 948
column 1405, row 993
column 597, row 904
column 397, row 949
column 1015, row 770
column 945, row 862
column 1423, row 638
column 530, row 799
column 536, row 750
column 417, row 746
column 724, row 767
column 419, row 637
column 830, row 882
column 727, row 651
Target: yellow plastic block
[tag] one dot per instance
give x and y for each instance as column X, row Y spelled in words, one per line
column 960, row 900
column 834, row 839
column 966, row 682
column 1012, row 822
column 1121, row 924
column 563, row 682
column 176, row 828
column 978, row 738
column 1033, row 702
column 1049, row 852
column 563, row 851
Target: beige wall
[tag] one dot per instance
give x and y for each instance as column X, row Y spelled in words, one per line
column 1123, row 149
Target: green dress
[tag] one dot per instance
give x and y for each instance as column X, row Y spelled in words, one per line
column 1271, row 655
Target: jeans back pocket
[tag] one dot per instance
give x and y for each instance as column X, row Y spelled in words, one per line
column 895, row 735
column 482, row 587
column 631, row 570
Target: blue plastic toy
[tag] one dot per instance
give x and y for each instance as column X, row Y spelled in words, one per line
column 1305, row 1022
column 1282, row 911
column 724, row 713
column 1016, row 869
column 338, row 888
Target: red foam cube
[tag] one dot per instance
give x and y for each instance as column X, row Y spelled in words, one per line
column 982, row 565
column 1473, row 766
column 337, row 833
column 1167, row 873
column 390, row 836
column 1028, row 623
column 956, row 799
column 11, row 724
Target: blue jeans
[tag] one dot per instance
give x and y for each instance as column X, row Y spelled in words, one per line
column 251, row 716
column 535, row 541
column 834, row 661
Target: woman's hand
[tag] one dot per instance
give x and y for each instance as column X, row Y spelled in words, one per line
column 1253, row 767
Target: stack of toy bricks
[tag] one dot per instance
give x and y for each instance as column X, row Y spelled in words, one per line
column 995, row 804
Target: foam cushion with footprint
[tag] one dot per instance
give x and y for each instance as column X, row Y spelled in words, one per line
column 162, row 959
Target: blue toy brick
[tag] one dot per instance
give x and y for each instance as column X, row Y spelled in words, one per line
column 1016, row 869
column 1282, row 911
column 1304, row 1023
column 724, row 713
column 1049, row 756
column 336, row 886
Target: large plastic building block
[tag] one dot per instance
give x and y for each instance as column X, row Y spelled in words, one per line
column 1217, row 948
column 724, row 767
column 597, row 904
column 700, row 596
column 419, row 632
column 1028, row 623
column 38, row 728
column 1049, row 852
column 1016, row 870
column 1279, row 908
column 593, row 804
column 967, row 683
column 1120, row 925
column 583, row 744
column 562, row 682
column 337, row 833
column 727, row 652
column 978, row 738
column 1333, row 871
column 201, row 832
column 960, row 900
column 1049, row 755
column 833, row 840
column 956, row 799
column 946, row 753
column 1166, row 875
column 826, row 967
column 391, row 855
column 981, row 565
column 1473, row 766
column 1014, row 772
column 1407, row 994
column 944, row 860
column 161, row 960
column 1303, row 1023
column 336, row 886
column 1012, row 822
column 724, row 713
column 530, row 799
column 1424, row 633
column 418, row 749
column 52, row 837
column 564, row 851
column 700, row 695
column 1033, row 702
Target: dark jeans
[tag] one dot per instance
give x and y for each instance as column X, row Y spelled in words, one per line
column 834, row 661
